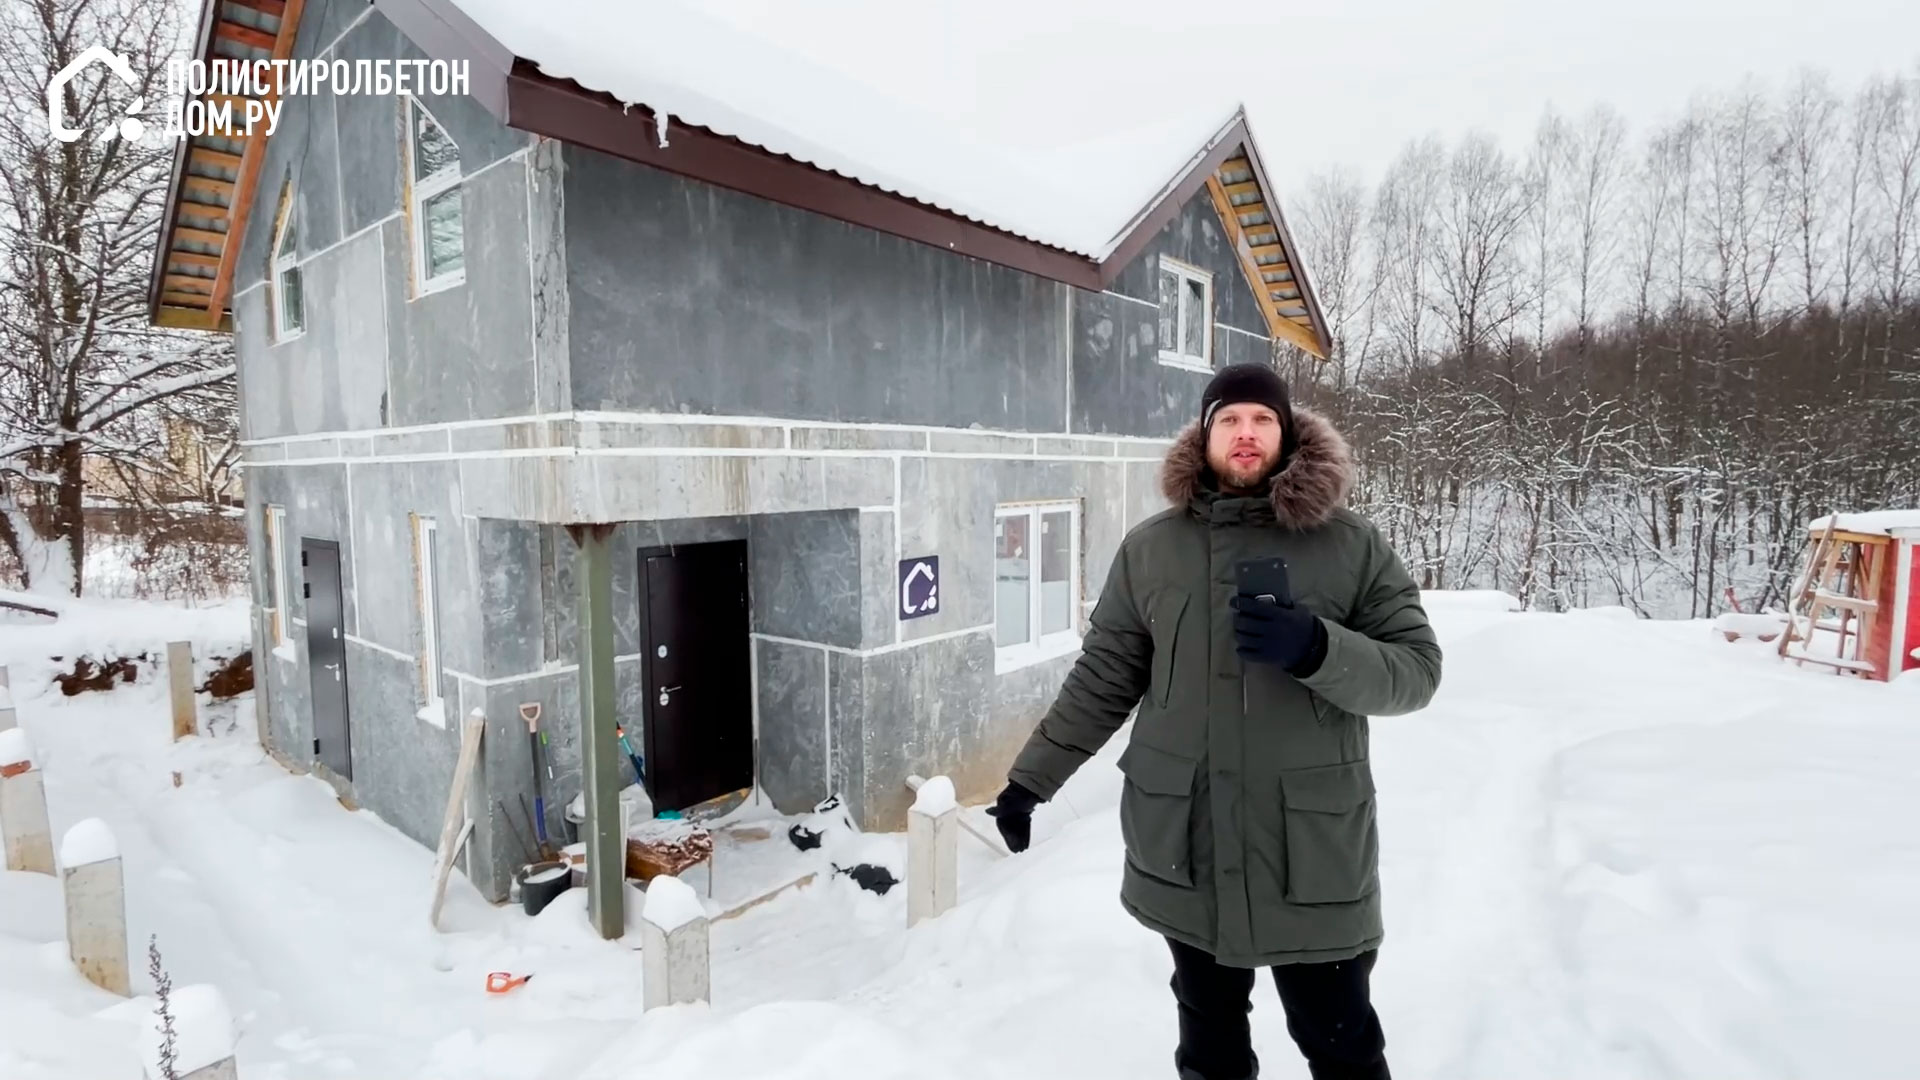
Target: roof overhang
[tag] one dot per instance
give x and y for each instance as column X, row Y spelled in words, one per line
column 210, row 190
column 523, row 97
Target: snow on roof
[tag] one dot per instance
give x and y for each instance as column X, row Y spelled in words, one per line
column 1877, row 521
column 703, row 71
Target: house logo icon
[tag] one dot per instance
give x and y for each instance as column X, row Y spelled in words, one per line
column 129, row 128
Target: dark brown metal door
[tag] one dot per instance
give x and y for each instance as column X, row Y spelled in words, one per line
column 698, row 691
column 327, row 654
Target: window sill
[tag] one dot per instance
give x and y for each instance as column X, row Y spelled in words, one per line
column 1015, row 657
column 1186, row 363
column 434, row 712
column 440, row 285
column 285, row 651
column 288, row 338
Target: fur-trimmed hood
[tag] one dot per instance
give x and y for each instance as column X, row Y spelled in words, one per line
column 1305, row 492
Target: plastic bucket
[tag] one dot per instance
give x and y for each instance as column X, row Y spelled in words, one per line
column 540, row 882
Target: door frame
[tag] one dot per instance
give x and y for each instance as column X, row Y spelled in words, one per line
column 346, row 699
column 643, row 598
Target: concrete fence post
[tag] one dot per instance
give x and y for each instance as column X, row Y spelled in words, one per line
column 96, row 905
column 180, row 685
column 674, row 956
column 23, row 806
column 933, row 862
column 8, row 719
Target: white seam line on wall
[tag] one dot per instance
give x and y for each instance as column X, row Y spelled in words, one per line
column 341, row 36
column 386, row 341
column 353, row 550
column 533, row 290
column 1249, row 333
column 1066, row 352
column 899, row 547
column 646, row 419
column 753, row 688
column 565, row 669
column 878, row 650
column 826, row 713
column 377, row 647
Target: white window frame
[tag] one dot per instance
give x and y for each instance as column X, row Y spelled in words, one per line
column 420, row 192
column 1170, row 353
column 427, row 596
column 277, row 580
column 285, row 264
column 1040, row 647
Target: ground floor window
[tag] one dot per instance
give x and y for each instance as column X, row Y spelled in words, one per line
column 1036, row 587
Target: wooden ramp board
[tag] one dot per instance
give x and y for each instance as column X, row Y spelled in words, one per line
column 454, row 830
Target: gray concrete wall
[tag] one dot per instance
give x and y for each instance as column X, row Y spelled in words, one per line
column 691, row 298
column 1119, row 385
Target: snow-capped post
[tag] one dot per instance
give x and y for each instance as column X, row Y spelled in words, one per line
column 673, row 955
column 180, row 685
column 96, row 905
column 933, row 861
column 23, row 806
column 202, row 1045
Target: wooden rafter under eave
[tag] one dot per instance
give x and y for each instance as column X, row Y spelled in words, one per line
column 249, row 169
column 1281, row 327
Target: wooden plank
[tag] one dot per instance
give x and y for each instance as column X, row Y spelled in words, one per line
column 190, row 300
column 1844, row 602
column 1224, row 207
column 1845, row 537
column 186, row 707
column 1245, row 187
column 1296, row 334
column 1266, row 250
column 453, row 828
column 275, row 9
column 249, row 169
column 218, row 158
column 201, row 236
column 193, row 258
column 209, row 184
column 187, row 279
column 1840, row 662
column 245, row 35
column 185, row 317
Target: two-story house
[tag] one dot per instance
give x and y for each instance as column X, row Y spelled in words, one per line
column 666, row 372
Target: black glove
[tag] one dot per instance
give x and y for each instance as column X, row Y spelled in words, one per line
column 1013, row 813
column 1291, row 637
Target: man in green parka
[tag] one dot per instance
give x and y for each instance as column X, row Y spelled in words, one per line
column 1248, row 809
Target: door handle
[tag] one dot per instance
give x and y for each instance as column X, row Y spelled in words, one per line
column 664, row 691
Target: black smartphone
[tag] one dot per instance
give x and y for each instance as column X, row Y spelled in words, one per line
column 1265, row 578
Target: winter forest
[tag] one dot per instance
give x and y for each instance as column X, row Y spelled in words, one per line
column 1618, row 367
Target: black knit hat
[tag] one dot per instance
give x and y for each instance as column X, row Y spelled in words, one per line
column 1257, row 384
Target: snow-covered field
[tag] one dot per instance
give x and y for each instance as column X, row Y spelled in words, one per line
column 1611, row 848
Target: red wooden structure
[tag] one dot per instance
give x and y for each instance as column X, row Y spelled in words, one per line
column 1857, row 606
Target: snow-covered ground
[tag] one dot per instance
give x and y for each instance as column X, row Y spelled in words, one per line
column 1611, row 848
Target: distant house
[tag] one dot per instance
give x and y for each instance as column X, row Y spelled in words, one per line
column 662, row 302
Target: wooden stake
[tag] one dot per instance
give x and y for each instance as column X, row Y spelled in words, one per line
column 453, row 829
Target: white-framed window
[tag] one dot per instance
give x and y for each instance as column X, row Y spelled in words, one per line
column 1036, row 582
column 1186, row 315
column 277, row 577
column 289, row 300
column 433, row 174
column 427, row 582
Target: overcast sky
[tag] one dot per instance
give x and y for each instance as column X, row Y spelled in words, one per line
column 1332, row 88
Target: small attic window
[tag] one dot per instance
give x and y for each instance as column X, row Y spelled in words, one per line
column 289, row 305
column 434, row 207
column 1186, row 316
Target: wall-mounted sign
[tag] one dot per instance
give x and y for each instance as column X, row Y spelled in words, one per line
column 919, row 586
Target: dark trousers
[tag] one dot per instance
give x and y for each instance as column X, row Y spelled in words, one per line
column 1329, row 1015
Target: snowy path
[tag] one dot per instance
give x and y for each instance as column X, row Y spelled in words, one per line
column 1611, row 849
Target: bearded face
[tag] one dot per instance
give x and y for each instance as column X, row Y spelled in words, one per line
column 1243, row 445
